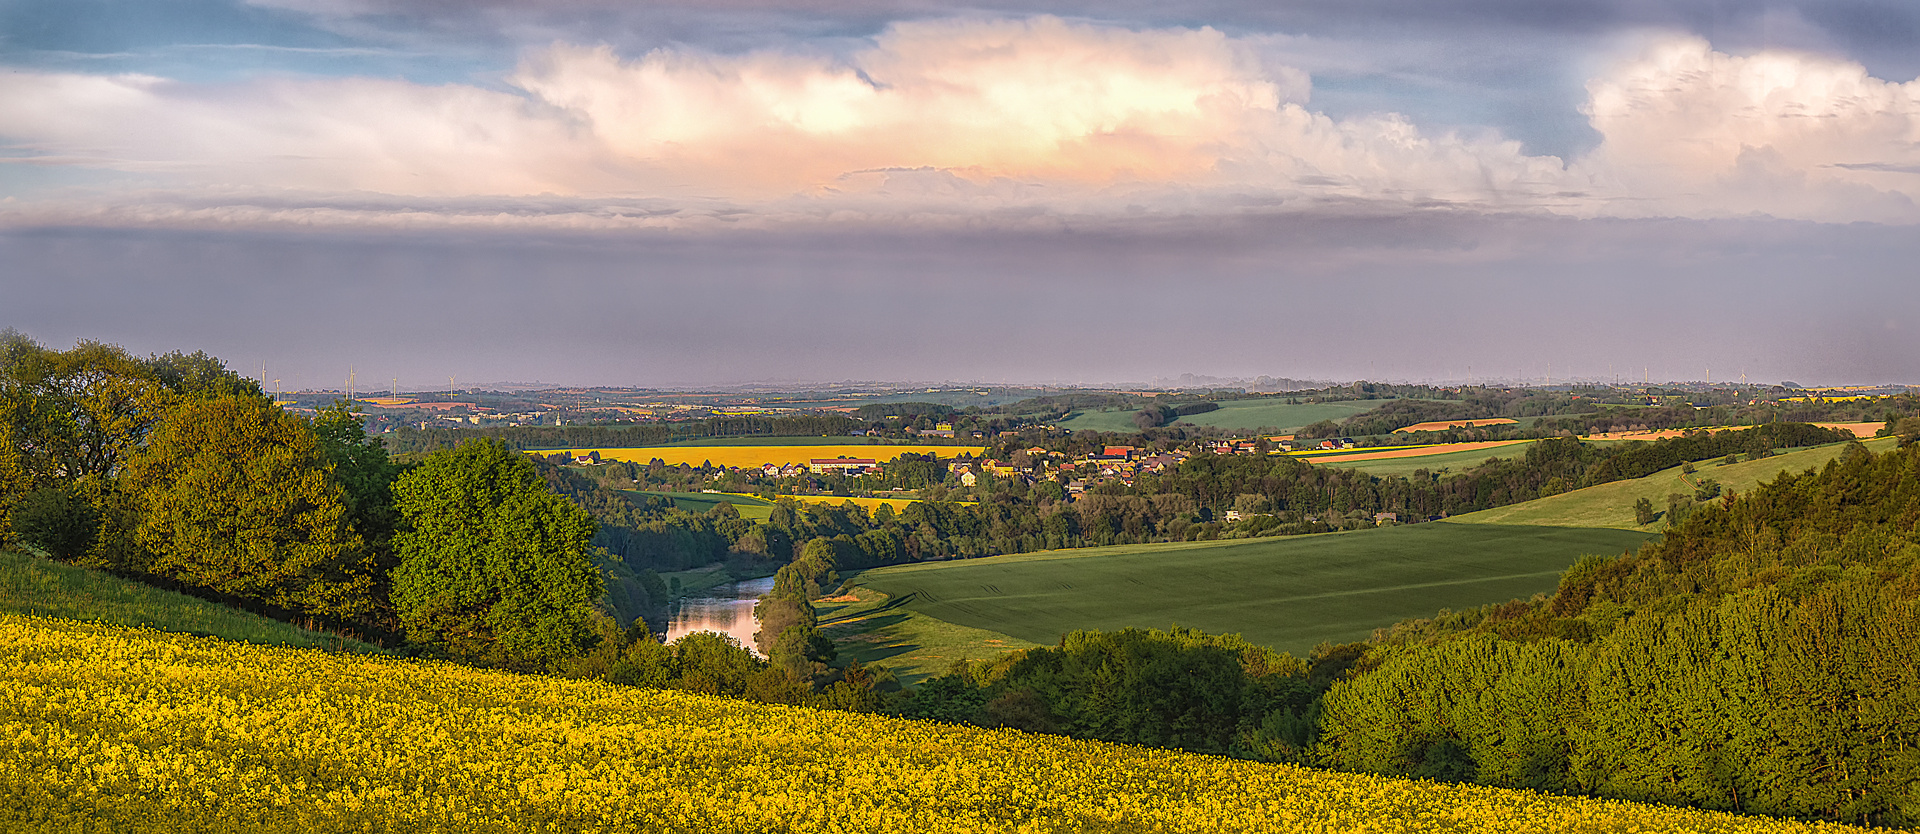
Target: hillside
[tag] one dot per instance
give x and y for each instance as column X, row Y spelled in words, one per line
column 1611, row 504
column 111, row 729
column 50, row 589
column 1287, row 593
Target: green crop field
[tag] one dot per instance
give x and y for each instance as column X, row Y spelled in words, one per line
column 1270, row 412
column 1611, row 505
column 700, row 502
column 44, row 588
column 1288, row 593
column 879, row 631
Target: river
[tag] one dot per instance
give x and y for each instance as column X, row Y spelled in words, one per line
column 727, row 609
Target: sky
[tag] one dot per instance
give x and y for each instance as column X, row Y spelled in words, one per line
column 690, row 194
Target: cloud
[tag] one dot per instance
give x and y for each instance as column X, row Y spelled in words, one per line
column 322, row 135
column 956, row 118
column 1689, row 130
column 1074, row 107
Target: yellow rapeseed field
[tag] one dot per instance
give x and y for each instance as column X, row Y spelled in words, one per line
column 107, row 729
column 762, row 455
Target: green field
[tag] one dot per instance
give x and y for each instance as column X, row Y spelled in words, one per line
column 1288, row 593
column 1611, row 505
column 700, row 502
column 43, row 588
column 879, row 631
column 1268, row 412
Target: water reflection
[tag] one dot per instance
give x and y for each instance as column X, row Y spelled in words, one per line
column 727, row 609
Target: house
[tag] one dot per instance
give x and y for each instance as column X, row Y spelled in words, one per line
column 969, row 479
column 1383, row 519
column 1118, row 451
column 843, row 465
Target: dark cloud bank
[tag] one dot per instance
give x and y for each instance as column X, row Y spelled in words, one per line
column 1420, row 298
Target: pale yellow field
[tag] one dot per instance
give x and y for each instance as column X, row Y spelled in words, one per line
column 1443, row 425
column 762, row 455
column 1860, row 430
column 107, row 729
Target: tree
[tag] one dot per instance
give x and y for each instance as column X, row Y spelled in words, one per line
column 493, row 567
column 1643, row 511
column 233, row 494
column 56, row 521
column 1708, row 490
column 1908, row 430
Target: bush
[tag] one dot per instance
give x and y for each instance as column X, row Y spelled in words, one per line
column 56, row 522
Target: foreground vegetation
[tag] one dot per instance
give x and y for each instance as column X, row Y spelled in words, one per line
column 1287, row 593
column 49, row 589
column 104, row 729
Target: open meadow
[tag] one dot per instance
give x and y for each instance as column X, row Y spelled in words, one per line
column 749, row 506
column 107, row 729
column 752, row 455
column 1288, row 592
column 1611, row 505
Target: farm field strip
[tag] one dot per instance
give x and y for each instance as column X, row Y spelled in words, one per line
column 1861, row 431
column 113, row 729
column 1443, row 425
column 760, row 509
column 762, row 455
column 1397, row 452
column 1288, row 593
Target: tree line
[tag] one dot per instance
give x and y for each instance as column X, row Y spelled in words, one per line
column 409, row 440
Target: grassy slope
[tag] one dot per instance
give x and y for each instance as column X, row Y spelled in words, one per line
column 1285, row 592
column 1611, row 505
column 700, row 502
column 50, row 589
column 109, row 730
column 1234, row 414
column 878, row 630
